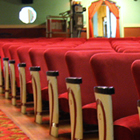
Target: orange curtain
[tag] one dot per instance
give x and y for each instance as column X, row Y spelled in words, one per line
column 91, row 11
column 115, row 10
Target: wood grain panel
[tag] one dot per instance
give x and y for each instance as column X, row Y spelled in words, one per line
column 22, row 32
column 131, row 31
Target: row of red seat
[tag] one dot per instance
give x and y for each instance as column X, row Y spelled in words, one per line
column 34, row 57
column 108, row 69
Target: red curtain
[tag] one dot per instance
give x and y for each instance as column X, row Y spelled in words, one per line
column 91, row 11
column 115, row 10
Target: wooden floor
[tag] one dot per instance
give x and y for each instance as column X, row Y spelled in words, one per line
column 37, row 131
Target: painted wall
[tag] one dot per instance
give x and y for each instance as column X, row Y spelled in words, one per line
column 9, row 10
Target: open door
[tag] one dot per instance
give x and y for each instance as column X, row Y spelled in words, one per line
column 93, row 8
column 104, row 23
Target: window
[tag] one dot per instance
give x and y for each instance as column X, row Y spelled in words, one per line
column 27, row 15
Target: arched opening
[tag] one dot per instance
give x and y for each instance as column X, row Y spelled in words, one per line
column 94, row 7
column 104, row 23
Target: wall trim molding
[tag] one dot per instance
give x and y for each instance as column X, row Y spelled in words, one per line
column 132, row 30
column 22, row 26
column 127, row 26
column 131, row 25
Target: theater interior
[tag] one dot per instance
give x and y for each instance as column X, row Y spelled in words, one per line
column 69, row 70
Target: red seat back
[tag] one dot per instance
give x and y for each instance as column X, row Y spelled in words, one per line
column 23, row 54
column 14, row 56
column 115, row 70
column 55, row 60
column 37, row 59
column 5, row 49
column 136, row 74
column 79, row 66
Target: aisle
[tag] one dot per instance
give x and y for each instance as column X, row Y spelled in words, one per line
column 36, row 131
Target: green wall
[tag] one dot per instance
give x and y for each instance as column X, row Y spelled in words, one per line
column 9, row 10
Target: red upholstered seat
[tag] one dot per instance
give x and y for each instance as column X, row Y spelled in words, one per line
column 99, row 43
column 9, row 71
column 115, row 70
column 135, row 67
column 117, row 44
column 127, row 128
column 123, row 47
column 2, row 42
column 75, row 40
column 79, row 66
column 132, row 50
column 37, row 59
column 63, row 102
column 5, row 46
column 5, row 49
column 90, row 113
column 136, row 72
column 26, row 59
column 23, row 54
column 14, row 56
column 98, row 39
column 55, row 60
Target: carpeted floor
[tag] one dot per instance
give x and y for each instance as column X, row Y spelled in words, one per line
column 9, row 130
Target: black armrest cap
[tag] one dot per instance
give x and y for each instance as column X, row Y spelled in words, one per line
column 74, row 80
column 11, row 61
column 104, row 90
column 52, row 73
column 6, row 58
column 22, row 65
column 35, row 68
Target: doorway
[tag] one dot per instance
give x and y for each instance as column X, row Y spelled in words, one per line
column 104, row 23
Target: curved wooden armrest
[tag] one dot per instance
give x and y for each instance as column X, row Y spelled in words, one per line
column 1, row 78
column 34, row 71
column 13, row 80
column 138, row 105
column 6, row 76
column 22, row 78
column 104, row 112
column 53, row 102
column 75, row 105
